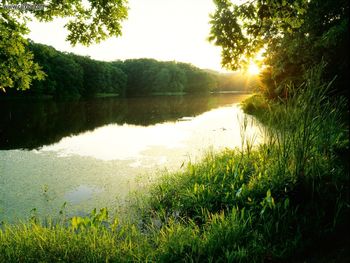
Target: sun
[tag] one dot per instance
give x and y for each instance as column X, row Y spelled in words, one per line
column 253, row 69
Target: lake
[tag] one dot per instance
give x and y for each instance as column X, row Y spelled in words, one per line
column 93, row 153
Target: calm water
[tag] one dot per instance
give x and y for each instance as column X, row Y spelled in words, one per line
column 93, row 153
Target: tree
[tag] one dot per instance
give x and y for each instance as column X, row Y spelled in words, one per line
column 198, row 80
column 89, row 21
column 296, row 34
column 68, row 75
column 177, row 78
column 118, row 79
column 17, row 68
column 44, row 55
column 141, row 75
column 162, row 80
column 243, row 29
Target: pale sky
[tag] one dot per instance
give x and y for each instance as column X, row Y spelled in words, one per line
column 165, row 30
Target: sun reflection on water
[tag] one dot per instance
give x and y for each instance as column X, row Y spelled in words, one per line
column 100, row 167
column 219, row 128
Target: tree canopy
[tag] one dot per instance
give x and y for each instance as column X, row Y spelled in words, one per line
column 71, row 75
column 295, row 34
column 88, row 21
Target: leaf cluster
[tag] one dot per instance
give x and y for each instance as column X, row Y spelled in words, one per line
column 295, row 35
column 88, row 22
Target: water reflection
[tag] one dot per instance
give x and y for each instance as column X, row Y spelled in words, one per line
column 118, row 144
column 157, row 144
column 32, row 124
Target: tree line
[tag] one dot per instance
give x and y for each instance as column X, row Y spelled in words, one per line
column 71, row 75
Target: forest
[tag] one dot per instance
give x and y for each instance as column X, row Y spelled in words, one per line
column 67, row 75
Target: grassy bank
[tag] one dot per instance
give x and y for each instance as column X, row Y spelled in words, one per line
column 286, row 200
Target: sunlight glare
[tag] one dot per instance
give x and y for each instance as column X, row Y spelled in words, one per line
column 253, row 69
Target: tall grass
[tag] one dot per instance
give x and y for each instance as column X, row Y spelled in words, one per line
column 277, row 202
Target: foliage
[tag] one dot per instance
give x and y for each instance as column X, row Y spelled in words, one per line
column 197, row 80
column 146, row 76
column 288, row 196
column 70, row 75
column 17, row 68
column 88, row 22
column 243, row 29
column 295, row 34
column 255, row 105
column 100, row 77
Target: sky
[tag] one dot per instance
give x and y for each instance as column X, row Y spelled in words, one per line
column 166, row 30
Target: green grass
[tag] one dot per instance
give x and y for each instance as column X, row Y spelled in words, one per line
column 286, row 200
column 255, row 105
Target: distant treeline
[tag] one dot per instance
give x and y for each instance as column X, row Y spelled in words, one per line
column 70, row 75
